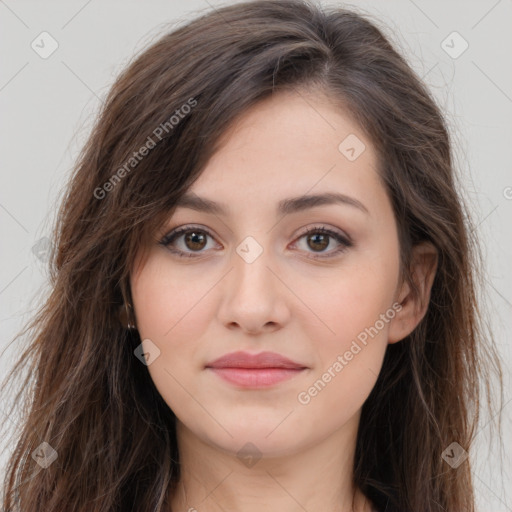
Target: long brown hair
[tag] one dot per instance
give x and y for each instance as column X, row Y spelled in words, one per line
column 91, row 399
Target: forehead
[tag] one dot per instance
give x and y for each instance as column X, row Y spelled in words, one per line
column 287, row 146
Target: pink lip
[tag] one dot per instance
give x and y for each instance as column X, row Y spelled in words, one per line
column 255, row 370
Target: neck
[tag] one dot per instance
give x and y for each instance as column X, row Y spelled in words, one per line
column 316, row 478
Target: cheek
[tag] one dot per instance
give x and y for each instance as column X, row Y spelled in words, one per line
column 349, row 361
column 167, row 301
column 171, row 310
column 350, row 302
column 356, row 309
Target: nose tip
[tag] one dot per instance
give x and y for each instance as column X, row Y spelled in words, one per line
column 252, row 297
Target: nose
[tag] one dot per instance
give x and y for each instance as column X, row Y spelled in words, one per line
column 254, row 296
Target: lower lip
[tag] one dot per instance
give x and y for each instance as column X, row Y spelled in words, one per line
column 256, row 377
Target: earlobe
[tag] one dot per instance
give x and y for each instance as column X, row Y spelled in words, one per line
column 415, row 299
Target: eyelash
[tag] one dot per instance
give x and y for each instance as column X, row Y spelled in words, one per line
column 345, row 243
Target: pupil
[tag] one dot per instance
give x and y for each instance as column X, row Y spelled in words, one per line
column 325, row 242
column 192, row 237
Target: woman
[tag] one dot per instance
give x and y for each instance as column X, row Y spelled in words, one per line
column 263, row 289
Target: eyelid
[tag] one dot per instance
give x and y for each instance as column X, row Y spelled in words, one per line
column 179, row 230
column 331, row 231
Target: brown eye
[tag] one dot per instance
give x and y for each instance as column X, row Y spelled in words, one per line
column 195, row 240
column 186, row 241
column 318, row 241
column 319, row 238
column 191, row 242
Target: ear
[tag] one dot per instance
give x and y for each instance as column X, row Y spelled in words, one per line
column 423, row 268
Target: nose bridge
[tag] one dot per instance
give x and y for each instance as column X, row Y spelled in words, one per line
column 252, row 296
column 251, row 262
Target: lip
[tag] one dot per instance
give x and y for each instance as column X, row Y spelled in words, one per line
column 255, row 370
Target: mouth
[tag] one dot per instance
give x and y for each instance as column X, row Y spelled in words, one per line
column 255, row 370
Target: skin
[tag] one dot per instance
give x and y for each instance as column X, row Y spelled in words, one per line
column 309, row 310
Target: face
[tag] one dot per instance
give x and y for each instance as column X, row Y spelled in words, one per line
column 316, row 284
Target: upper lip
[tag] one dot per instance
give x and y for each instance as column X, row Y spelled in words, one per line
column 246, row 360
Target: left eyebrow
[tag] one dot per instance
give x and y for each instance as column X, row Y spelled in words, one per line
column 297, row 204
column 284, row 207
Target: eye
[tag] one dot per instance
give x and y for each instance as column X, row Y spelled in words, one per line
column 318, row 239
column 194, row 240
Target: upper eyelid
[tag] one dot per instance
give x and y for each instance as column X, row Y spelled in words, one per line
column 180, row 230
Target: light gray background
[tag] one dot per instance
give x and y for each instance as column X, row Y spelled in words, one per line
column 48, row 105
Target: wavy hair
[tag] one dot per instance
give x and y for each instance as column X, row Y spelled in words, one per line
column 91, row 399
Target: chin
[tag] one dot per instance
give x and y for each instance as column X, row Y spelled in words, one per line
column 258, row 440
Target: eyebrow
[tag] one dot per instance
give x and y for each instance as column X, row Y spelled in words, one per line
column 284, row 207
